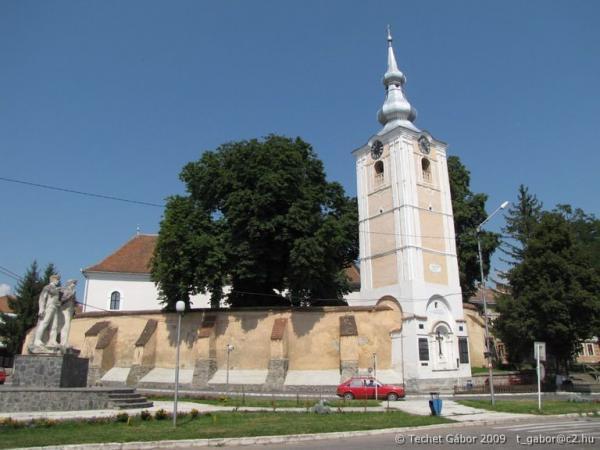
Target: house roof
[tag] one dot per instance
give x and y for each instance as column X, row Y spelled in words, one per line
column 490, row 296
column 4, row 308
column 133, row 257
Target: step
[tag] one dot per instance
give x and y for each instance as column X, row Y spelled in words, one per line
column 138, row 405
column 123, row 396
column 130, row 400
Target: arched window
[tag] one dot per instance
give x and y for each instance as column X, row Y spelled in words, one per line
column 379, row 173
column 115, row 300
column 426, row 169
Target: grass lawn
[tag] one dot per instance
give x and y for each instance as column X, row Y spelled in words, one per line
column 269, row 403
column 477, row 370
column 218, row 425
column 531, row 406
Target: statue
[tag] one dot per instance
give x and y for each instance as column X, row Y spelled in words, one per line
column 56, row 308
column 67, row 309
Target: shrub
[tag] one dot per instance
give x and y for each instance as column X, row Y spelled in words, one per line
column 145, row 415
column 161, row 414
column 45, row 423
column 194, row 413
column 122, row 417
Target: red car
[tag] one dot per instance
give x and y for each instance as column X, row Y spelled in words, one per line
column 2, row 375
column 364, row 387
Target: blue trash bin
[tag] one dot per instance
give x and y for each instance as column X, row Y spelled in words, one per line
column 435, row 404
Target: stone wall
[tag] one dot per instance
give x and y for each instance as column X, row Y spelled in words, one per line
column 16, row 399
column 50, row 371
column 273, row 340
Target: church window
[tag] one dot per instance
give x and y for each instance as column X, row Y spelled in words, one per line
column 379, row 173
column 426, row 169
column 423, row 349
column 463, row 350
column 421, row 326
column 115, row 300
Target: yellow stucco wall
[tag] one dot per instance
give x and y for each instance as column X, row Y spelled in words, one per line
column 385, row 271
column 476, row 330
column 312, row 337
column 382, row 235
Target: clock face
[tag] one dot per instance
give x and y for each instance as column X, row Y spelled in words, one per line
column 376, row 149
column 424, row 145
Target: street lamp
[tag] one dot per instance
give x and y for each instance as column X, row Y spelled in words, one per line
column 375, row 373
column 229, row 348
column 488, row 354
column 180, row 308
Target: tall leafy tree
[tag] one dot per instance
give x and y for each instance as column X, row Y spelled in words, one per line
column 25, row 307
column 555, row 293
column 587, row 231
column 469, row 212
column 521, row 218
column 259, row 216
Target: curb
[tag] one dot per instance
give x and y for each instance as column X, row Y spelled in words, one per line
column 278, row 439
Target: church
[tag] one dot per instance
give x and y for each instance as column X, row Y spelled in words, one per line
column 405, row 320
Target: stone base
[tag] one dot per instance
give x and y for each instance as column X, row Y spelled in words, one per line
column 277, row 371
column 426, row 385
column 30, row 399
column 203, row 371
column 94, row 375
column 50, row 371
column 136, row 373
column 348, row 369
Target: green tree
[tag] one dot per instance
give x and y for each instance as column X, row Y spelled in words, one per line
column 261, row 217
column 555, row 293
column 521, row 218
column 587, row 231
column 13, row 328
column 469, row 212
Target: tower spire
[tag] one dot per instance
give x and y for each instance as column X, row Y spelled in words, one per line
column 396, row 109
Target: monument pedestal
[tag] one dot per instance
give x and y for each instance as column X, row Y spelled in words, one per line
column 65, row 371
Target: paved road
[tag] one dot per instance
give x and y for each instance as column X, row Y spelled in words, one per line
column 546, row 433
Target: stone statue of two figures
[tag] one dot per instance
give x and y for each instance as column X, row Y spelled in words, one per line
column 56, row 308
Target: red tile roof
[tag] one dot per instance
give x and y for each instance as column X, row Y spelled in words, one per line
column 133, row 257
column 4, row 308
column 136, row 254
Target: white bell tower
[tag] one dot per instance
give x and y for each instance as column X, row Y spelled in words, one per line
column 407, row 241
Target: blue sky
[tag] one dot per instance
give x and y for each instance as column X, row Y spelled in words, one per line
column 115, row 97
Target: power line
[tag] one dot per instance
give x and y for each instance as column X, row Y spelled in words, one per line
column 9, row 274
column 73, row 191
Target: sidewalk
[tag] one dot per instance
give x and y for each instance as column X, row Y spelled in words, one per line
column 419, row 406
column 455, row 411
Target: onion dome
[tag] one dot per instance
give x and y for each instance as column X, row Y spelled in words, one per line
column 396, row 110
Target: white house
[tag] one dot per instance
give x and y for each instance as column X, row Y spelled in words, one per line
column 121, row 281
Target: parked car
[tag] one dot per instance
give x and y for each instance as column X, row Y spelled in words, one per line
column 2, row 375
column 365, row 387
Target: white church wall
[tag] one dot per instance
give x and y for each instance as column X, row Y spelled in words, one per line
column 137, row 293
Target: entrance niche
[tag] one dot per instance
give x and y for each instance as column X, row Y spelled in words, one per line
column 442, row 343
column 441, row 336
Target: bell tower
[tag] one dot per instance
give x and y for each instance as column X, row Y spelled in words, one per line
column 407, row 241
